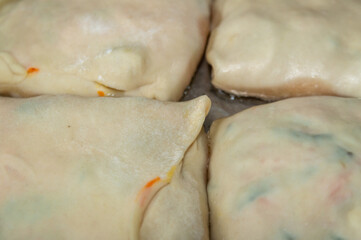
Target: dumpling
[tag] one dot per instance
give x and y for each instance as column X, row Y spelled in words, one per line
column 102, row 168
column 278, row 49
column 106, row 48
column 287, row 170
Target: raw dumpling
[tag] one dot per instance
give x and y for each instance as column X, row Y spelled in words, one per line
column 288, row 170
column 107, row 48
column 278, row 49
column 102, row 168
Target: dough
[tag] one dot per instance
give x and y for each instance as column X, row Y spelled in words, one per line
column 102, row 168
column 287, row 170
column 278, row 49
column 106, row 48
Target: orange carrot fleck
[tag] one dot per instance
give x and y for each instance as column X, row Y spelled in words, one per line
column 32, row 70
column 101, row 94
column 152, row 182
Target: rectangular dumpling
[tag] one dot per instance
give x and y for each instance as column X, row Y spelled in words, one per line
column 278, row 49
column 107, row 48
column 102, row 168
column 289, row 170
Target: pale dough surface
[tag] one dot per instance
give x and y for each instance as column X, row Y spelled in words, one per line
column 112, row 47
column 102, row 168
column 281, row 48
column 287, row 170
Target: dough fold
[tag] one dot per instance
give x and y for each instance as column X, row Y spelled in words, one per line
column 89, row 168
column 103, row 48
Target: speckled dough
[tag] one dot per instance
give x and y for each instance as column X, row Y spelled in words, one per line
column 111, row 47
column 281, row 48
column 288, row 170
column 102, row 168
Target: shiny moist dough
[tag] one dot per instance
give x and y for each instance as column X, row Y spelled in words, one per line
column 288, row 170
column 106, row 48
column 281, row 48
column 102, row 168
